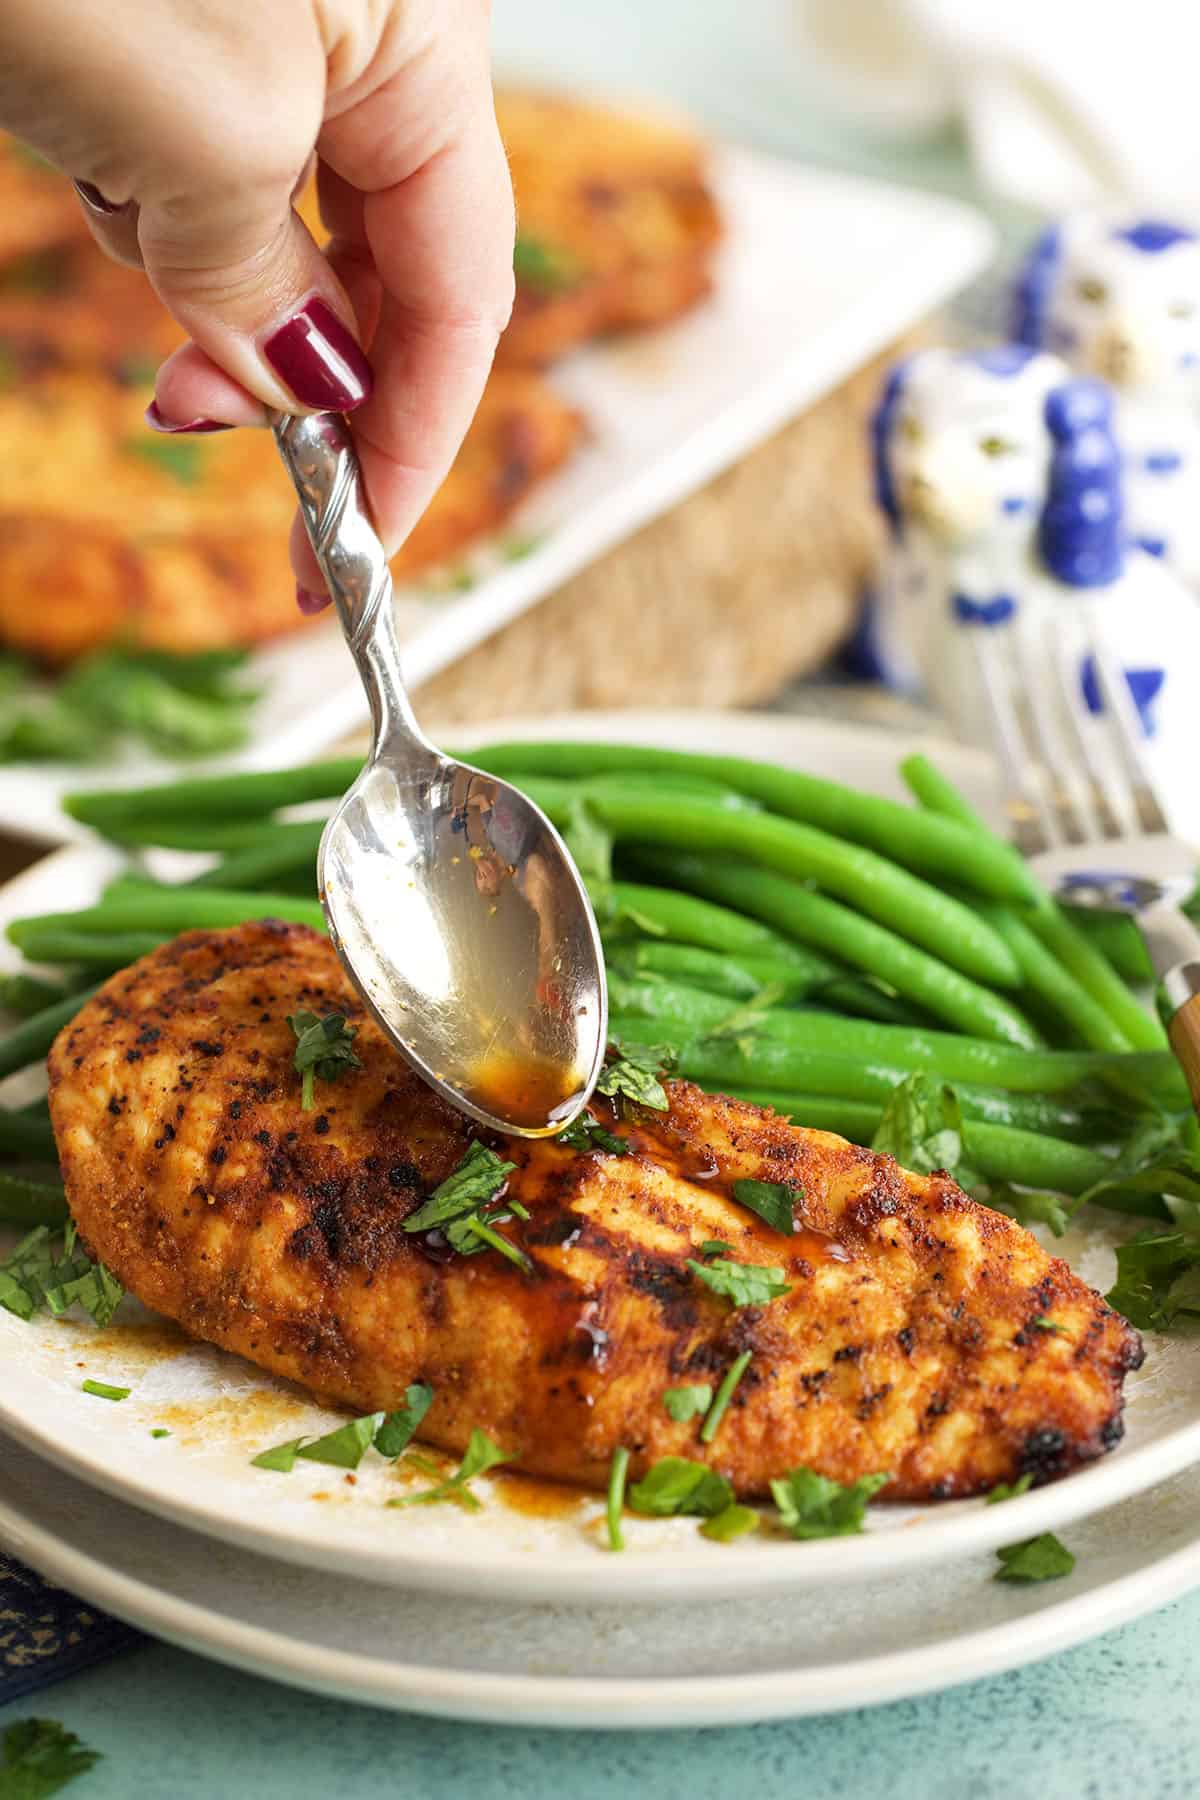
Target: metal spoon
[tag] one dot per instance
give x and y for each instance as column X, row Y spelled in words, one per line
column 451, row 899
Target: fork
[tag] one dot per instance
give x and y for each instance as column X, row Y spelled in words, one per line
column 1083, row 804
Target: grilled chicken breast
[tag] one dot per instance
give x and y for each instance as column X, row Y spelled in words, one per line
column 618, row 224
column 907, row 1343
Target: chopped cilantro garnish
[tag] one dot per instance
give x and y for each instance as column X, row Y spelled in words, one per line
column 715, row 1247
column 733, row 1522
column 676, row 1486
column 479, row 1177
column 921, row 1127
column 615, row 1505
column 345, row 1447
column 746, row 1284
column 743, row 1019
column 812, row 1506
column 720, row 1405
column 181, row 457
column 1030, row 1206
column 40, row 1758
column 586, row 1133
column 771, row 1200
column 633, row 1075
column 1042, row 1323
column 1158, row 1277
column 684, row 1403
column 324, row 1047
column 1010, row 1490
column 45, row 1271
column 546, row 268
column 281, row 1457
column 160, row 1431
column 457, row 1206
column 482, row 1453
column 1041, row 1558
column 399, row 1427
column 103, row 1391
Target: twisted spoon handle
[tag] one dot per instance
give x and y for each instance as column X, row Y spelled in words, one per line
column 318, row 453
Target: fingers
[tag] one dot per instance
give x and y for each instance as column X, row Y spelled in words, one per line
column 114, row 227
column 440, row 239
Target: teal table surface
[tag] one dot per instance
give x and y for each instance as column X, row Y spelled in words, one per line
column 1117, row 1717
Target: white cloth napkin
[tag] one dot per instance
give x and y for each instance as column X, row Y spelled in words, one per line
column 1064, row 102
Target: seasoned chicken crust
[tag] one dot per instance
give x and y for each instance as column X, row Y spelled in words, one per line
column 617, row 216
column 907, row 1342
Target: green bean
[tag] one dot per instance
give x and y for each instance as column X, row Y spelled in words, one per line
column 853, row 1119
column 30, row 1040
column 27, row 994
column 859, row 1119
column 28, row 1135
column 685, row 919
column 108, row 950
column 822, row 1035
column 261, row 865
column 866, row 999
column 738, row 1066
column 1059, row 991
column 1118, row 940
column 950, row 996
column 31, row 1202
column 932, row 847
column 911, row 906
column 717, row 973
column 295, row 838
column 216, row 797
column 169, row 910
column 1063, row 939
column 1004, row 1153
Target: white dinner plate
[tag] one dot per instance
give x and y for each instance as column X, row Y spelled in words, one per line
column 715, row 1662
column 221, row 1411
column 818, row 273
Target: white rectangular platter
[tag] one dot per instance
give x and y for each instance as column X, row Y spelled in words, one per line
column 818, row 273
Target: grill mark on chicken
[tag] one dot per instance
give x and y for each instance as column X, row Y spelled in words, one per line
column 905, row 1343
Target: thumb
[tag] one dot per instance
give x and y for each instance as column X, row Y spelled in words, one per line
column 240, row 271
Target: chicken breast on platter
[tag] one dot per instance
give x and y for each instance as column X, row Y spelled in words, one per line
column 906, row 1341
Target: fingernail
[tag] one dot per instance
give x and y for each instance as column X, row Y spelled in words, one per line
column 157, row 422
column 309, row 601
column 95, row 202
column 319, row 360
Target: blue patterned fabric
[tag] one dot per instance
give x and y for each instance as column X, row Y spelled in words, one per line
column 46, row 1634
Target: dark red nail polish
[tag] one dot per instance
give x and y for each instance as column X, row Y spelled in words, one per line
column 157, row 422
column 319, row 360
column 95, row 201
column 309, row 601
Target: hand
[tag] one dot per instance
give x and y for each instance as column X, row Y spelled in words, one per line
column 190, row 125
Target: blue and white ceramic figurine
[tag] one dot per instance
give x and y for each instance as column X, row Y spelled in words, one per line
column 1001, row 477
column 1119, row 298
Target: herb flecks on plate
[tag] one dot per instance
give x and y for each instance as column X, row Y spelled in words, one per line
column 1041, row 1558
column 48, row 1271
column 813, row 1506
column 482, row 1454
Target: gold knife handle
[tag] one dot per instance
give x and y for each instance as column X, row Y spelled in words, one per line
column 1182, row 987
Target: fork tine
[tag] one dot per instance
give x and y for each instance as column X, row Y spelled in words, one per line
column 1035, row 827
column 1118, row 815
column 1126, row 735
column 1072, row 794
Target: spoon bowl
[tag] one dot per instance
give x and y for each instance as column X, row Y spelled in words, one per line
column 452, row 902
